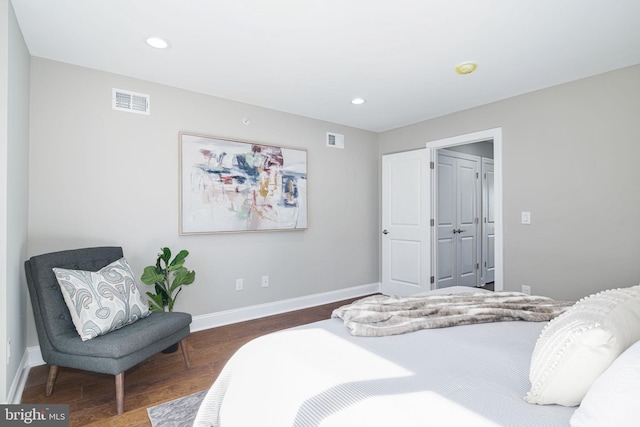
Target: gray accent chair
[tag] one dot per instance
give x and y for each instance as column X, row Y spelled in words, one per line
column 112, row 353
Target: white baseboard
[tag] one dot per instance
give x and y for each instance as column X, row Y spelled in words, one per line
column 20, row 380
column 32, row 356
column 208, row 321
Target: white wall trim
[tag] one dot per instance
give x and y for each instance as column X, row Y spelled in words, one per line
column 20, row 380
column 207, row 321
column 32, row 356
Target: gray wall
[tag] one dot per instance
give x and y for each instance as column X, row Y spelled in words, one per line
column 103, row 177
column 570, row 157
column 14, row 155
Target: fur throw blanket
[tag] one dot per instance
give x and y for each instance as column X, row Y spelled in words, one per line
column 381, row 315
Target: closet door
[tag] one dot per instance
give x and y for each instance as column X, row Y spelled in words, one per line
column 446, row 222
column 467, row 192
column 488, row 222
column 457, row 220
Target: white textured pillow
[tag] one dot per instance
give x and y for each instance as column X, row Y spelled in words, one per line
column 580, row 344
column 101, row 301
column 613, row 398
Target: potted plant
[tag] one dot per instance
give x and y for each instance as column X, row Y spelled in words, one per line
column 168, row 277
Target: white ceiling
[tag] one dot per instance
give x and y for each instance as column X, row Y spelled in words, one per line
column 311, row 57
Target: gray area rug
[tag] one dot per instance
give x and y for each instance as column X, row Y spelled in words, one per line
column 176, row 413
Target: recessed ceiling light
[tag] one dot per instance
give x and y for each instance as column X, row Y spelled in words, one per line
column 158, row 42
column 358, row 101
column 466, row 68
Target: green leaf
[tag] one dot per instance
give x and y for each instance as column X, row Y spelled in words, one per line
column 176, row 266
column 162, row 292
column 155, row 304
column 159, row 269
column 180, row 258
column 150, row 276
column 165, row 255
column 190, row 278
column 182, row 277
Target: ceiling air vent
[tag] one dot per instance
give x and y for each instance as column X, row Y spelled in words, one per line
column 335, row 140
column 125, row 100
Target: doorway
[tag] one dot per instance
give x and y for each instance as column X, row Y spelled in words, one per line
column 409, row 256
column 491, row 239
column 464, row 220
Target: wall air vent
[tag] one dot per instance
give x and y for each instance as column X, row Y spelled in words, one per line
column 335, row 140
column 132, row 102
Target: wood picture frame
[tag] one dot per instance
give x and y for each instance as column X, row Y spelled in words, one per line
column 229, row 186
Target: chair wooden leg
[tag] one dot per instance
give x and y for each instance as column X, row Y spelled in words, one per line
column 120, row 393
column 185, row 352
column 51, row 381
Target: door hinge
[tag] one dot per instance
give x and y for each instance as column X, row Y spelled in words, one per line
column 432, row 222
column 477, row 220
column 432, row 165
column 433, row 280
column 477, row 175
column 477, row 266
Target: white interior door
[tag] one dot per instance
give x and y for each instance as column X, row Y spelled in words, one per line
column 458, row 204
column 488, row 222
column 446, row 222
column 406, row 234
column 468, row 213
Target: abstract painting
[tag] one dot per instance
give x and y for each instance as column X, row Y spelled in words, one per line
column 233, row 186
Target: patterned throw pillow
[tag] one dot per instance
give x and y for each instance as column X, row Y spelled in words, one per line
column 101, row 301
column 580, row 344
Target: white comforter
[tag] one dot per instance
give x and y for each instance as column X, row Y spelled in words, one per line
column 320, row 375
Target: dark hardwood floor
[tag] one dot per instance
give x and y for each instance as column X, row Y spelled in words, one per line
column 163, row 377
column 489, row 286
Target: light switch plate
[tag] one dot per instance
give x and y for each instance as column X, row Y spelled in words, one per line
column 526, row 217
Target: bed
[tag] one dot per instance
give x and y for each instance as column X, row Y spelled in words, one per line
column 321, row 375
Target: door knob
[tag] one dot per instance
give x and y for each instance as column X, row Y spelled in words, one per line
column 385, row 231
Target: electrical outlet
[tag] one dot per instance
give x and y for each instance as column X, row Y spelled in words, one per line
column 239, row 284
column 265, row 281
column 526, row 289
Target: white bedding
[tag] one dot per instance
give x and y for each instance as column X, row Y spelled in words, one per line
column 320, row 375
